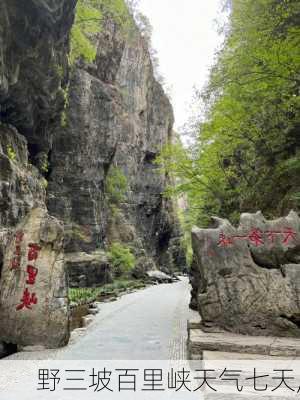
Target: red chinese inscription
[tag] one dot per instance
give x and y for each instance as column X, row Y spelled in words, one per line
column 33, row 252
column 27, row 300
column 256, row 237
column 272, row 235
column 289, row 235
column 32, row 274
column 16, row 260
column 224, row 240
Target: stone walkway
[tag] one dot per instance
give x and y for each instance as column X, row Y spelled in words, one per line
column 219, row 345
column 146, row 325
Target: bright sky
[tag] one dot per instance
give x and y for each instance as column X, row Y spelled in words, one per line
column 185, row 37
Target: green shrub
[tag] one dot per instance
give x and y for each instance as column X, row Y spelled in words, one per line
column 88, row 22
column 82, row 296
column 45, row 166
column 11, row 153
column 88, row 295
column 121, row 258
column 63, row 119
column 64, row 116
column 116, row 186
column 44, row 183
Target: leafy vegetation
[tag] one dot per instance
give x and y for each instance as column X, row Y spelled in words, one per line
column 44, row 183
column 88, row 22
column 121, row 258
column 45, row 166
column 116, row 186
column 88, row 295
column 11, row 153
column 246, row 156
column 64, row 117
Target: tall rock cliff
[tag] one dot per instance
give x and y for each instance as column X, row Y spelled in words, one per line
column 67, row 130
column 116, row 120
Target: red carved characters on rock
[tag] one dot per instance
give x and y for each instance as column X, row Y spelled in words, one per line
column 32, row 274
column 289, row 235
column 27, row 300
column 16, row 261
column 272, row 235
column 256, row 237
column 33, row 251
column 224, row 241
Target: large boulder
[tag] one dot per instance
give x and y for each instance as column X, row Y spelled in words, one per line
column 247, row 279
column 88, row 270
column 161, row 277
column 33, row 288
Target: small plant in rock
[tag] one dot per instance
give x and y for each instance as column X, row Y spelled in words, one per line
column 45, row 166
column 121, row 258
column 44, row 183
column 116, row 186
column 11, row 153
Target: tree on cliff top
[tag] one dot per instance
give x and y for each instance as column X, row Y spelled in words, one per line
column 88, row 22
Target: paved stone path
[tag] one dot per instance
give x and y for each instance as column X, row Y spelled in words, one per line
column 146, row 325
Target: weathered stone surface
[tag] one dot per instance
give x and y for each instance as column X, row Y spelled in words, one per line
column 34, row 42
column 143, row 265
column 88, row 270
column 117, row 116
column 200, row 341
column 34, row 306
column 247, row 279
column 21, row 186
column 196, row 283
column 159, row 276
column 87, row 320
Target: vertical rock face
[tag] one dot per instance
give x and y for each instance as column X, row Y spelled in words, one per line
column 34, row 41
column 246, row 279
column 33, row 290
column 21, row 186
column 33, row 65
column 57, row 155
column 117, row 116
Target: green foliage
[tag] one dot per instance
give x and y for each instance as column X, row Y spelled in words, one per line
column 89, row 295
column 116, row 186
column 246, row 156
column 88, row 22
column 64, row 116
column 83, row 295
column 44, row 183
column 45, row 166
column 11, row 153
column 121, row 258
column 59, row 71
column 63, row 119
